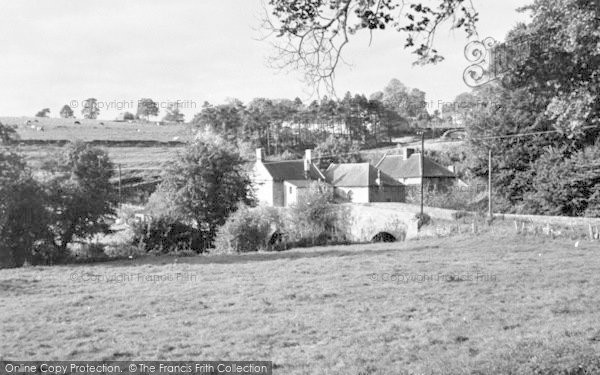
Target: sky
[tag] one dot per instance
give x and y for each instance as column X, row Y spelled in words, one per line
column 65, row 51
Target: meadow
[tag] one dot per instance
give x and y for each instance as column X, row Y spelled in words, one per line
column 142, row 150
column 489, row 304
column 96, row 130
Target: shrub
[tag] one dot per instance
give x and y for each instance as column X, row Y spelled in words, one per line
column 453, row 197
column 247, row 230
column 423, row 219
column 165, row 234
column 124, row 251
column 45, row 253
column 89, row 251
column 315, row 219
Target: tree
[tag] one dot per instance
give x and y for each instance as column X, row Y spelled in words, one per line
column 66, row 112
column 173, row 114
column 550, row 89
column 43, row 113
column 146, row 108
column 128, row 116
column 566, row 186
column 7, row 134
column 395, row 96
column 22, row 213
column 90, row 109
column 80, row 194
column 225, row 119
column 416, row 103
column 207, row 182
column 311, row 35
column 337, row 150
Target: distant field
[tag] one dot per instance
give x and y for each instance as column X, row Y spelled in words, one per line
column 518, row 305
column 134, row 160
column 127, row 157
column 93, row 130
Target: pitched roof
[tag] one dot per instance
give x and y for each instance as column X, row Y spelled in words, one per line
column 397, row 167
column 291, row 170
column 300, row 183
column 357, row 175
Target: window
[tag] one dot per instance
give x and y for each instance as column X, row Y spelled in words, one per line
column 291, row 190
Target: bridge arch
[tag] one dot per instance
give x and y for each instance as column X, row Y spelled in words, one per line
column 384, row 237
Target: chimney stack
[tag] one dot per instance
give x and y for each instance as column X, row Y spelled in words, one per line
column 307, row 162
column 259, row 155
column 408, row 152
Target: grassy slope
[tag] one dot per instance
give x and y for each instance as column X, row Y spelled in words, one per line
column 319, row 311
column 92, row 130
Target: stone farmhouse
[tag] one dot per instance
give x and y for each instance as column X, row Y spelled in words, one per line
column 406, row 168
column 283, row 183
column 363, row 183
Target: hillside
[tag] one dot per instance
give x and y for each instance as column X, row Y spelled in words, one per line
column 57, row 129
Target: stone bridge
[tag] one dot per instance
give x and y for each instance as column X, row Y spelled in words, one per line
column 387, row 221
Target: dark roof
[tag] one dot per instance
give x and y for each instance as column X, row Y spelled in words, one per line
column 291, row 170
column 300, row 183
column 357, row 175
column 397, row 167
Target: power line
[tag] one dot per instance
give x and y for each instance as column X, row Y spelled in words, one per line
column 475, row 138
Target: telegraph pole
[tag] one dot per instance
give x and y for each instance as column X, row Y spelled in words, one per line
column 120, row 196
column 490, row 184
column 422, row 167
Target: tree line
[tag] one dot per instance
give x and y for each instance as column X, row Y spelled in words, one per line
column 278, row 125
column 541, row 120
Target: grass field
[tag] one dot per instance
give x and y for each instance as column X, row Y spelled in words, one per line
column 128, row 157
column 469, row 305
column 96, row 130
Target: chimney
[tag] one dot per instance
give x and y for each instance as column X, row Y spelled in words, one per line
column 378, row 181
column 408, row 152
column 307, row 162
column 259, row 155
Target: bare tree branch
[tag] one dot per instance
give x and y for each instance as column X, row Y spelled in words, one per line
column 310, row 35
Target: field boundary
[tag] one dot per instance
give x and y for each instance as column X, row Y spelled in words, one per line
column 99, row 142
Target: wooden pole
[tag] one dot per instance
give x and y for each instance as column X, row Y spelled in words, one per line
column 422, row 167
column 120, row 195
column 490, row 185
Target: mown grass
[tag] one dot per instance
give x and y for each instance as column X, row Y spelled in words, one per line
column 329, row 310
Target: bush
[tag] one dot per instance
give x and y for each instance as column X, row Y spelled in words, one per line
column 165, row 234
column 45, row 253
column 247, row 230
column 454, row 197
column 423, row 219
column 122, row 250
column 316, row 220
